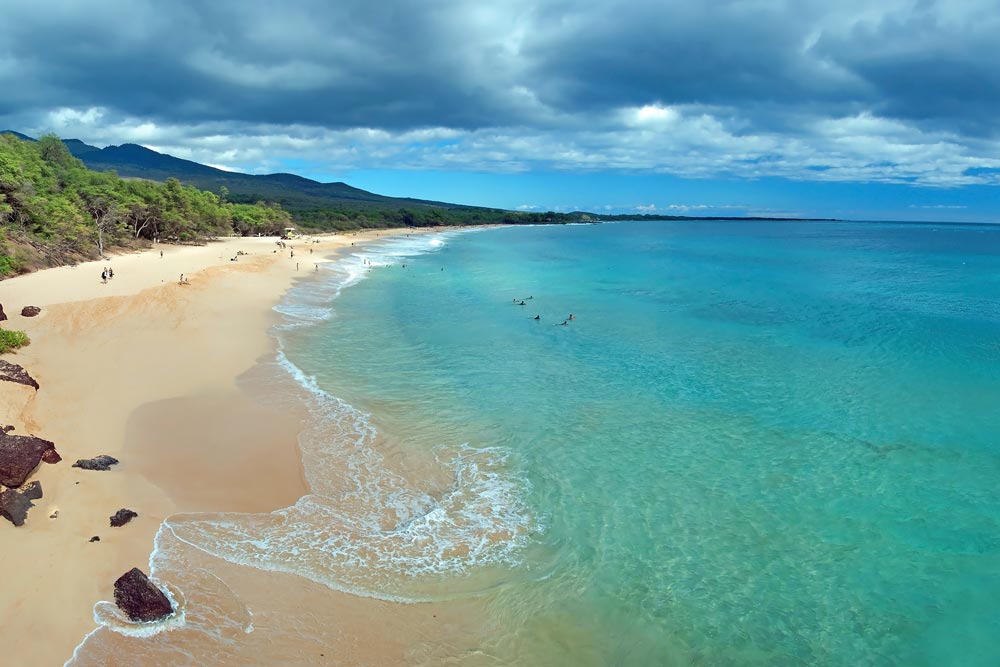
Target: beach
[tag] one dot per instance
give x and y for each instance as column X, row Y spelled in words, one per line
column 144, row 369
column 728, row 456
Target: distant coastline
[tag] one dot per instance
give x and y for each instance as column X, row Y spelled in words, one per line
column 334, row 206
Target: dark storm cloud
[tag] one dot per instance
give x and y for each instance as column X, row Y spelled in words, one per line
column 927, row 66
column 920, row 61
column 691, row 53
column 333, row 64
column 898, row 90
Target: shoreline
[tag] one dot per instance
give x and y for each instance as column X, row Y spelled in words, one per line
column 154, row 373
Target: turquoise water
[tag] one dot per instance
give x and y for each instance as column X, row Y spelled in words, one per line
column 756, row 444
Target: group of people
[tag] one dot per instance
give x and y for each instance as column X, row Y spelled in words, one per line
column 524, row 302
column 107, row 274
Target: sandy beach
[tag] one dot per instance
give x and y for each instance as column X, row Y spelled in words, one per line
column 144, row 369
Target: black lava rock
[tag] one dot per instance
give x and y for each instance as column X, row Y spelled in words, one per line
column 20, row 455
column 138, row 597
column 14, row 506
column 102, row 462
column 32, row 491
column 122, row 517
column 13, row 373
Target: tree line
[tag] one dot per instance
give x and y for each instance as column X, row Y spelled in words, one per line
column 54, row 211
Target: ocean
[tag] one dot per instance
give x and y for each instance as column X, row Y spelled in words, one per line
column 754, row 443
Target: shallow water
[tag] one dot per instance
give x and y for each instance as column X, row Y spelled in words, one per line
column 756, row 444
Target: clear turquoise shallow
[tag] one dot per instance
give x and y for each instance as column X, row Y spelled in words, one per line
column 757, row 444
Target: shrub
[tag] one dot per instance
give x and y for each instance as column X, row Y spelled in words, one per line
column 11, row 340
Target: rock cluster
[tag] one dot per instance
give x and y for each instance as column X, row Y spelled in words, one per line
column 122, row 516
column 20, row 455
column 140, row 599
column 13, row 373
column 3, row 315
column 102, row 462
column 30, row 311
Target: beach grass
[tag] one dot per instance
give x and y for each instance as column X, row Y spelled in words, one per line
column 11, row 340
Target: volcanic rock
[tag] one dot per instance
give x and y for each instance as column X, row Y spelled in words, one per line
column 95, row 538
column 102, row 462
column 122, row 517
column 14, row 506
column 51, row 456
column 19, row 456
column 138, row 597
column 3, row 315
column 30, row 311
column 13, row 373
column 32, row 490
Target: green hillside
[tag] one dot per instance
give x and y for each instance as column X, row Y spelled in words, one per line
column 54, row 211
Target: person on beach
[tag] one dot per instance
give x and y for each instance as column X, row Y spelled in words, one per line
column 104, row 276
column 111, row 273
column 161, row 254
column 296, row 266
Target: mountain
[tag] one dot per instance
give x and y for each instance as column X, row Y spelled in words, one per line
column 296, row 194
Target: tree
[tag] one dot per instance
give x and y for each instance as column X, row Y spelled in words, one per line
column 104, row 208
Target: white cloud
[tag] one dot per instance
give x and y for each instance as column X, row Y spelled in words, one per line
column 691, row 142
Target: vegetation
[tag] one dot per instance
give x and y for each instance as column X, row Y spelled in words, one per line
column 11, row 340
column 53, row 210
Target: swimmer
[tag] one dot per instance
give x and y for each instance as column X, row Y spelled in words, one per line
column 538, row 317
column 522, row 304
column 572, row 316
column 564, row 323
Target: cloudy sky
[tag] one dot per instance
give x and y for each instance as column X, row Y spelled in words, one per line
column 855, row 108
